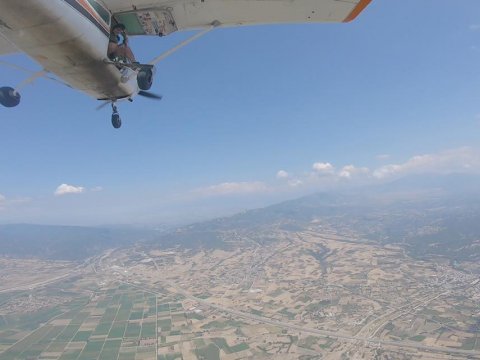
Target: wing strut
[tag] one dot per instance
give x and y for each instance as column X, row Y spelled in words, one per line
column 184, row 43
column 34, row 75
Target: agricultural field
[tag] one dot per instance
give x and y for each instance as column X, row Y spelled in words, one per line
column 109, row 324
column 118, row 321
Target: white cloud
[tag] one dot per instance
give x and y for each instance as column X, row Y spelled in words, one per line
column 295, row 183
column 11, row 202
column 323, row 168
column 232, row 188
column 383, row 157
column 23, row 200
column 349, row 171
column 282, row 174
column 474, row 27
column 96, row 189
column 65, row 189
column 325, row 176
column 462, row 159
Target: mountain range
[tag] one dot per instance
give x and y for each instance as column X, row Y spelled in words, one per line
column 428, row 215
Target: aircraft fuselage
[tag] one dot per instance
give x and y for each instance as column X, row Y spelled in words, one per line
column 69, row 39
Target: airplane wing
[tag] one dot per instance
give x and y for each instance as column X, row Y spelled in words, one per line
column 161, row 17
column 6, row 47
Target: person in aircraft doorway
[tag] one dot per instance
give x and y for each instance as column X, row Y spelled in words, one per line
column 118, row 48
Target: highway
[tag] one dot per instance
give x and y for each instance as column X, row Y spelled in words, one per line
column 77, row 270
column 324, row 333
column 307, row 330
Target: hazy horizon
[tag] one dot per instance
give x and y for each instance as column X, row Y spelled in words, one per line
column 416, row 186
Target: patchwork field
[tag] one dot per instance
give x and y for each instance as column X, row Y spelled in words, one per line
column 117, row 322
column 109, row 324
column 307, row 294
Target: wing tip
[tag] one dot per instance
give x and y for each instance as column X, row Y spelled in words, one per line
column 362, row 4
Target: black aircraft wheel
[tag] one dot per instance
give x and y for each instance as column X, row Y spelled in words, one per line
column 116, row 121
column 145, row 79
column 8, row 97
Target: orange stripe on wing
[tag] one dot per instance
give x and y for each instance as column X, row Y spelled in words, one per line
column 85, row 4
column 357, row 10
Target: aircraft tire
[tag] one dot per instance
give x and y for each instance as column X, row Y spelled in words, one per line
column 8, row 97
column 116, row 121
column 145, row 79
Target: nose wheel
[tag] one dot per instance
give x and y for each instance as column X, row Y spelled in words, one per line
column 116, row 120
column 9, row 97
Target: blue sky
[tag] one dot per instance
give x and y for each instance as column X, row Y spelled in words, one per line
column 251, row 116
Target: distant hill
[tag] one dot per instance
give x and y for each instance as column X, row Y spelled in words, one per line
column 428, row 214
column 64, row 242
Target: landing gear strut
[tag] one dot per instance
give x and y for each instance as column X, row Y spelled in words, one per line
column 116, row 121
column 9, row 97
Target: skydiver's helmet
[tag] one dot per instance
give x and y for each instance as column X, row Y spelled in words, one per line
column 120, row 37
column 118, row 26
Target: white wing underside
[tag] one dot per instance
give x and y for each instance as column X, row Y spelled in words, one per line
column 6, row 47
column 162, row 17
column 191, row 14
